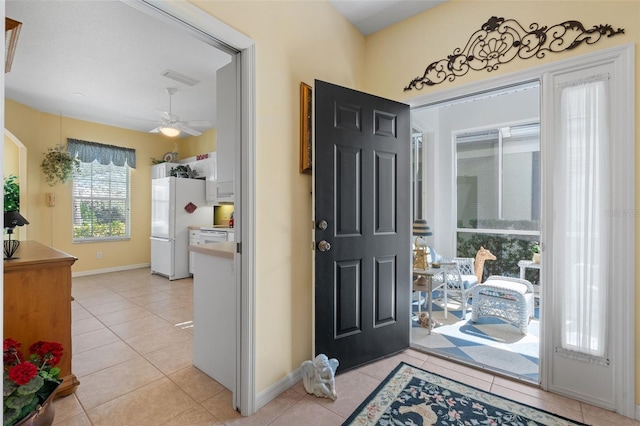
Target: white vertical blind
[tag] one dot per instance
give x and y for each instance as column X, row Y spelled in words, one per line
column 581, row 231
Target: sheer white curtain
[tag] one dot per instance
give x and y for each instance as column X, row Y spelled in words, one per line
column 581, row 231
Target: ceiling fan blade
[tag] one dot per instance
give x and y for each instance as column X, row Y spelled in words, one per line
column 197, row 123
column 192, row 132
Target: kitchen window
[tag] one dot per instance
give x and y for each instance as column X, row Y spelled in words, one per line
column 101, row 192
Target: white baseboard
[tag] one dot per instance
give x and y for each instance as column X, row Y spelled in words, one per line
column 106, row 270
column 277, row 388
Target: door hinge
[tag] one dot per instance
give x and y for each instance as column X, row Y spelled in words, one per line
column 239, row 247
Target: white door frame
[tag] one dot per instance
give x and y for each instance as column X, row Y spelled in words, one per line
column 205, row 27
column 623, row 326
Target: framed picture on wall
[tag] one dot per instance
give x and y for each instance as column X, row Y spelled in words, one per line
column 306, row 160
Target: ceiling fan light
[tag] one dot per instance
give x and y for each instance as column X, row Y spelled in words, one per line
column 169, row 131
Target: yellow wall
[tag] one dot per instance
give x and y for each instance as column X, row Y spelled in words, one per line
column 52, row 226
column 295, row 41
column 408, row 47
column 11, row 164
column 196, row 145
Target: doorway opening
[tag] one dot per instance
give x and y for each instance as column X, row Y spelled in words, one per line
column 476, row 180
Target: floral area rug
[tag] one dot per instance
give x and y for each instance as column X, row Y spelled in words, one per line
column 412, row 396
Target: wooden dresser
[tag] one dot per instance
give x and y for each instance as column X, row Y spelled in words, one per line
column 37, row 302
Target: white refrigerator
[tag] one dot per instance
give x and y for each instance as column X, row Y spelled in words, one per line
column 176, row 203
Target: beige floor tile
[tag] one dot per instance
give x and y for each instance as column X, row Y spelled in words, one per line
column 105, row 356
column 158, row 339
column 197, row 416
column 308, row 413
column 153, row 404
column 124, row 315
column 599, row 416
column 352, row 387
column 610, row 420
column 93, row 339
column 178, row 315
column 181, row 292
column 123, row 286
column 66, row 407
column 196, row 384
column 114, row 306
column 108, row 384
column 220, row 406
column 129, row 381
column 85, row 291
column 170, row 304
column 85, row 325
column 460, row 368
column 172, row 358
column 149, row 298
column 272, row 410
column 139, row 326
column 80, row 419
column 95, row 300
column 381, row 369
column 78, row 312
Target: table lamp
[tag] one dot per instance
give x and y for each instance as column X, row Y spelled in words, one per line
column 11, row 220
column 420, row 248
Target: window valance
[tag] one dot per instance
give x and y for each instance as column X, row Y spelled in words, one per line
column 88, row 152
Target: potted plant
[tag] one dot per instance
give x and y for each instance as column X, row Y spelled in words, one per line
column 535, row 250
column 30, row 384
column 11, row 194
column 58, row 165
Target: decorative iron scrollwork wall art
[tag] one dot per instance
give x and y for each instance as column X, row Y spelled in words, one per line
column 500, row 41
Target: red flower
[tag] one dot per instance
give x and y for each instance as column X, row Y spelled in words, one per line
column 23, row 373
column 48, row 352
column 11, row 353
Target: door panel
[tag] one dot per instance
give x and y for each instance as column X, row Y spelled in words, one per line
column 348, row 189
column 588, row 323
column 362, row 190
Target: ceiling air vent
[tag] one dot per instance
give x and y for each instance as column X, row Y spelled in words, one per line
column 181, row 78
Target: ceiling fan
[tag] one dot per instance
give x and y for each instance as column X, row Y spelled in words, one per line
column 170, row 124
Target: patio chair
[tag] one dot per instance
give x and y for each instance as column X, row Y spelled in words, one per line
column 460, row 279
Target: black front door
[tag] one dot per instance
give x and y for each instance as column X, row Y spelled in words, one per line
column 362, row 214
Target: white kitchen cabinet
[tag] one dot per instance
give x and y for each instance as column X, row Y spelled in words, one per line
column 227, row 131
column 162, row 170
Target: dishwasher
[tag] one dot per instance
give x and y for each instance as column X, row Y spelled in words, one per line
column 212, row 235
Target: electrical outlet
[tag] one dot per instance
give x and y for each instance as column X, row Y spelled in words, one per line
column 99, row 255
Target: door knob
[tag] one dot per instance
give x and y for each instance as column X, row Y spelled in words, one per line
column 322, row 225
column 324, row 246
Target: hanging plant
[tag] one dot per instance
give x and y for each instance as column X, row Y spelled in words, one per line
column 11, row 194
column 58, row 165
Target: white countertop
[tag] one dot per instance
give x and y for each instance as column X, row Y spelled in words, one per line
column 221, row 227
column 225, row 249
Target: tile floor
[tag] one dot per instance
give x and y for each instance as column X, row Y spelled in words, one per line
column 132, row 352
